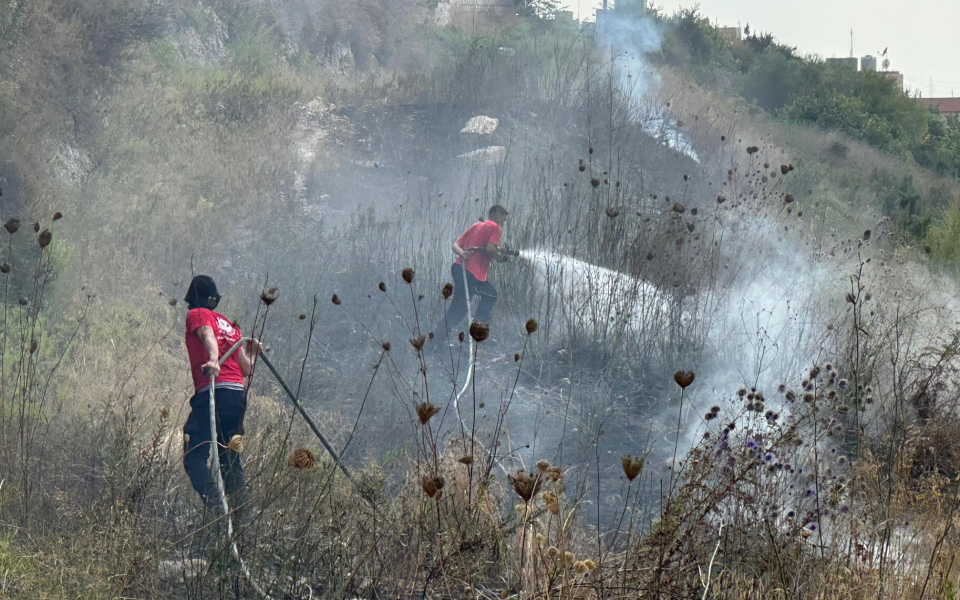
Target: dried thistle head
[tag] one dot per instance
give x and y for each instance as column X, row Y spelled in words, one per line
column 236, row 444
column 752, row 150
column 678, row 208
column 569, row 559
column 784, row 169
column 479, row 331
column 612, row 211
column 382, row 286
column 5, row 268
column 386, row 346
column 269, row 296
column 335, row 299
column 425, row 411
column 465, row 459
column 553, row 552
column 34, row 346
column 684, row 378
column 632, row 466
column 541, row 539
column 447, row 290
column 525, row 485
column 57, row 216
column 302, row 459
column 432, row 485
column 408, row 274
column 172, row 301
column 460, row 337
column 532, row 326
column 580, row 568
column 12, row 225
column 164, row 411
column 44, row 238
column 554, row 473
column 551, row 501
column 418, row 342
column 36, row 226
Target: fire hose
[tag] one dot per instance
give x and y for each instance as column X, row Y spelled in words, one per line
column 215, row 454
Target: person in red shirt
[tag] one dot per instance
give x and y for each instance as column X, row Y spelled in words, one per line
column 477, row 246
column 209, row 335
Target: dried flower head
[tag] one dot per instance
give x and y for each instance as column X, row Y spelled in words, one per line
column 34, row 346
column 5, row 268
column 532, row 326
column 752, row 150
column 335, row 299
column 460, row 337
column 684, row 378
column 569, row 559
column 543, row 466
column 432, row 485
column 302, row 459
column 386, row 346
column 236, row 444
column 678, row 208
column 632, row 466
column 408, row 274
column 551, row 501
column 479, row 331
column 447, row 290
column 580, row 568
column 302, row 317
column 164, row 411
column 425, row 411
column 590, row 564
column 269, row 296
column 57, row 216
column 541, row 539
column 44, row 238
column 36, row 226
column 554, row 473
column 612, row 212
column 12, row 225
column 525, row 485
column 466, row 459
column 418, row 342
column 784, row 169
column 595, row 182
column 553, row 552
column 382, row 286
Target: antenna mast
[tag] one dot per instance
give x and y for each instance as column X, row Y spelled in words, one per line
column 851, row 42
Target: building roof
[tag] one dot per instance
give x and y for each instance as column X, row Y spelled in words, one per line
column 944, row 105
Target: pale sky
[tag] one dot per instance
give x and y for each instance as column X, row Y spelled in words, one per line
column 922, row 35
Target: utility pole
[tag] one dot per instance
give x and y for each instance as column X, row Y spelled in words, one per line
column 851, row 42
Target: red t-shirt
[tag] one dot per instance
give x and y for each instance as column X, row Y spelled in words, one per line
column 478, row 236
column 226, row 334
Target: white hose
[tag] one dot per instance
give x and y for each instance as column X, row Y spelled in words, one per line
column 473, row 346
column 218, row 477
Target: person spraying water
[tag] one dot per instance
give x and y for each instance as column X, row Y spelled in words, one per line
column 475, row 249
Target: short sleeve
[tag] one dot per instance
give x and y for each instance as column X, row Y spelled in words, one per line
column 494, row 233
column 197, row 318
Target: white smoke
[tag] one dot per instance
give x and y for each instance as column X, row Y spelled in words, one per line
column 629, row 38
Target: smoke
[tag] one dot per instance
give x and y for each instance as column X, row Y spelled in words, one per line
column 628, row 38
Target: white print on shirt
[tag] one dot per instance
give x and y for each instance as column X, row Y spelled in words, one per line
column 226, row 329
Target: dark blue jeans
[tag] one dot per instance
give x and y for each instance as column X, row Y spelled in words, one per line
column 231, row 407
column 483, row 290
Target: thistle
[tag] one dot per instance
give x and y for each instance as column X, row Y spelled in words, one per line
column 44, row 238
column 302, row 459
column 382, row 286
column 684, row 378
column 447, row 290
column 335, row 299
column 432, row 485
column 632, row 466
column 426, row 411
column 5, row 268
column 479, row 331
column 408, row 274
column 57, row 216
column 531, row 326
column 525, row 485
column 418, row 342
column 12, row 226
column 235, row 444
column 270, row 296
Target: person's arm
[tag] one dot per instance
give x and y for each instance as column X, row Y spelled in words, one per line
column 462, row 252
column 206, row 335
column 244, row 356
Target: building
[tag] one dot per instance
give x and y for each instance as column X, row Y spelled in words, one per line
column 731, row 34
column 851, row 64
column 895, row 75
column 868, row 63
column 948, row 107
column 476, row 16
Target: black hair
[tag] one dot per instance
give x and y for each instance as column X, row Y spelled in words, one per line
column 202, row 293
column 496, row 211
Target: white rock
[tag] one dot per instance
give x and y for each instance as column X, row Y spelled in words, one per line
column 491, row 155
column 481, row 125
